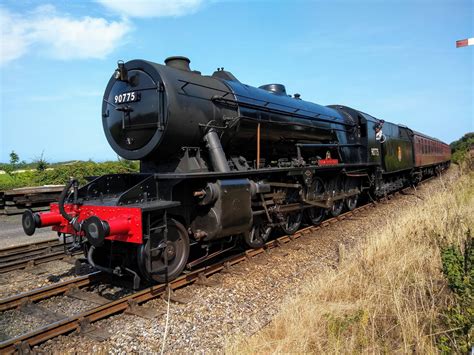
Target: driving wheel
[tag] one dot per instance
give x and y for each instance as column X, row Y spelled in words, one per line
column 315, row 215
column 258, row 234
column 292, row 222
column 163, row 260
column 351, row 202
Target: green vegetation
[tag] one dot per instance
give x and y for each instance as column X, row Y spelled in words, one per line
column 40, row 172
column 458, row 268
column 14, row 158
column 461, row 147
column 41, row 163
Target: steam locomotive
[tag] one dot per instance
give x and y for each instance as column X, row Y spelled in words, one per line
column 224, row 163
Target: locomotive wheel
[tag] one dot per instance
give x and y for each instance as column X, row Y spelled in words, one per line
column 336, row 208
column 315, row 215
column 351, row 202
column 292, row 222
column 175, row 252
column 259, row 234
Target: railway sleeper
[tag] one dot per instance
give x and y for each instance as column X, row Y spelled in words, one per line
column 32, row 309
column 141, row 311
column 87, row 329
column 76, row 293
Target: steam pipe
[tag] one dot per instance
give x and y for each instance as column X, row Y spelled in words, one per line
column 216, row 152
column 91, row 261
column 62, row 199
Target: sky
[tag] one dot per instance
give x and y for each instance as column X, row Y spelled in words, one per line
column 395, row 60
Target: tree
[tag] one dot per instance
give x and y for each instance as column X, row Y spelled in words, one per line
column 14, row 158
column 41, row 163
column 462, row 143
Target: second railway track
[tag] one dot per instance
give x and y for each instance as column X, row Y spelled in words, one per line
column 29, row 255
column 42, row 293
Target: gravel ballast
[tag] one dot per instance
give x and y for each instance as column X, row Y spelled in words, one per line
column 243, row 300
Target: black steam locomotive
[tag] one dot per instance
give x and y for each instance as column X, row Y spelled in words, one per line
column 223, row 163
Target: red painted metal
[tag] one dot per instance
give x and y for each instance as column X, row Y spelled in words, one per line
column 328, row 162
column 50, row 219
column 462, row 43
column 429, row 151
column 125, row 222
column 119, row 226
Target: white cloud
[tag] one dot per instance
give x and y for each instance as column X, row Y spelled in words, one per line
column 58, row 35
column 13, row 40
column 152, row 8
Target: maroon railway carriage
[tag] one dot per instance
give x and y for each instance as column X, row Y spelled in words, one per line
column 430, row 152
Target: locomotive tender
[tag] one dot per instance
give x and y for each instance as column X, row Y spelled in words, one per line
column 221, row 163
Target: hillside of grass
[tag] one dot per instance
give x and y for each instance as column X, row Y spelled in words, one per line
column 409, row 288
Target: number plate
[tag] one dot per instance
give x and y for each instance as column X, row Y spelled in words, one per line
column 127, row 97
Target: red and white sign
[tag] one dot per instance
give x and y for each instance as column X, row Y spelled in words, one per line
column 465, row 42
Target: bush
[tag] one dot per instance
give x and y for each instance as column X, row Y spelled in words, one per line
column 60, row 174
column 10, row 181
column 458, row 268
column 81, row 170
column 461, row 150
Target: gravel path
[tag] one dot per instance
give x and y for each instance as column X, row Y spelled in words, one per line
column 244, row 300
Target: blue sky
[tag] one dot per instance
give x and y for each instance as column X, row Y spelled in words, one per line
column 395, row 60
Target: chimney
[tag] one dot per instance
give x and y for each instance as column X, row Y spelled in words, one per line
column 177, row 62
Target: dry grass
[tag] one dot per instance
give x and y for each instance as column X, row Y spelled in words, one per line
column 387, row 295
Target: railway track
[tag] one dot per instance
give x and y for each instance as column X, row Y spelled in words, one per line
column 43, row 293
column 128, row 303
column 131, row 302
column 29, row 255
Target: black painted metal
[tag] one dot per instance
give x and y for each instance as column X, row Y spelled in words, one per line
column 177, row 106
column 216, row 153
column 229, row 214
